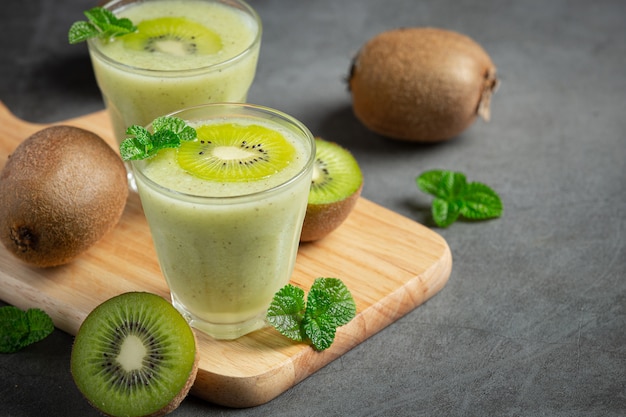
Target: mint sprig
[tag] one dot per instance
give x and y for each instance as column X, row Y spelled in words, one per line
column 19, row 329
column 168, row 132
column 329, row 305
column 455, row 197
column 101, row 23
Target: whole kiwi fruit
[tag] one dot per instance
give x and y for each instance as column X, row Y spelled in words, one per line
column 61, row 190
column 421, row 84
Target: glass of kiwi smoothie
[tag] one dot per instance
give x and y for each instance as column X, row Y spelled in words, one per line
column 226, row 210
column 184, row 53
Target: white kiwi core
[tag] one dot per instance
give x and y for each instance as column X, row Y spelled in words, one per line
column 317, row 173
column 132, row 353
column 171, row 47
column 229, row 153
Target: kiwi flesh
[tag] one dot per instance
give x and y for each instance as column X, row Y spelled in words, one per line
column 177, row 36
column 234, row 152
column 134, row 355
column 61, row 190
column 335, row 188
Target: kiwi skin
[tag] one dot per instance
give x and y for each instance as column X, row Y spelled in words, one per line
column 61, row 190
column 322, row 219
column 421, row 84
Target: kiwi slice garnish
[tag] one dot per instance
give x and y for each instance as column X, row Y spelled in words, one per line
column 177, row 36
column 335, row 188
column 234, row 152
column 134, row 355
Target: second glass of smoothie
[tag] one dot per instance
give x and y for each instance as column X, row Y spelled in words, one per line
column 227, row 244
column 185, row 53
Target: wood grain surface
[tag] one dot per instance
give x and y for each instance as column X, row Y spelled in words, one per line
column 390, row 263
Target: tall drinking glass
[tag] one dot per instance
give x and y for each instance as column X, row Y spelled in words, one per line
column 226, row 246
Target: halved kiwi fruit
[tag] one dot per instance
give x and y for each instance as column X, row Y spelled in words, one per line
column 335, row 188
column 134, row 355
column 177, row 36
column 233, row 152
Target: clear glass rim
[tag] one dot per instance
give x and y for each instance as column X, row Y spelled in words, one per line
column 239, row 4
column 233, row 199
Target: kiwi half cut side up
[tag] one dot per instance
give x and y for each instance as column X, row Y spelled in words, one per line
column 232, row 152
column 134, row 355
column 335, row 188
column 176, row 36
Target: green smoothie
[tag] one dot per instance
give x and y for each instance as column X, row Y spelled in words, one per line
column 225, row 248
column 147, row 78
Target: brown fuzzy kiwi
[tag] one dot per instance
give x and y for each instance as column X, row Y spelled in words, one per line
column 61, row 190
column 335, row 189
column 421, row 84
column 322, row 219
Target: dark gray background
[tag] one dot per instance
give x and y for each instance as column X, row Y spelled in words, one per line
column 533, row 319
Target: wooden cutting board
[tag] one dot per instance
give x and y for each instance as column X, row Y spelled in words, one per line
column 390, row 263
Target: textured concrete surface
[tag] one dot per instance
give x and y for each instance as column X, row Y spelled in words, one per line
column 533, row 319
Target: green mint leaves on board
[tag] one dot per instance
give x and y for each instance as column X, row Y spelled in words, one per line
column 169, row 132
column 19, row 329
column 455, row 197
column 329, row 305
column 101, row 23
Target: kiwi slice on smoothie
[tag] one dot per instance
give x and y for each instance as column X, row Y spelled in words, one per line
column 177, row 36
column 134, row 355
column 335, row 188
column 234, row 152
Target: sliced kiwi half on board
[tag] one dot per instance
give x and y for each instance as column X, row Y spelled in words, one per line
column 177, row 36
column 335, row 188
column 134, row 355
column 233, row 152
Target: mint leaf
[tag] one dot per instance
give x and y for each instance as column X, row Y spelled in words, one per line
column 320, row 331
column 328, row 306
column 19, row 329
column 101, row 23
column 164, row 139
column 429, row 182
column 481, row 202
column 169, row 132
column 81, row 31
column 455, row 197
column 40, row 325
column 176, row 125
column 101, row 17
column 445, row 212
column 286, row 312
column 13, row 329
column 451, row 185
column 330, row 297
column 138, row 146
